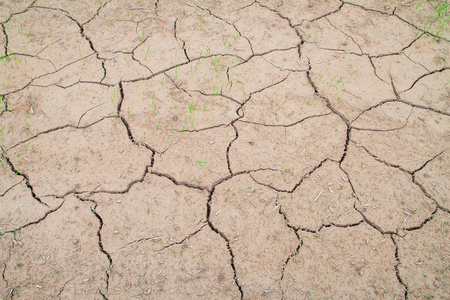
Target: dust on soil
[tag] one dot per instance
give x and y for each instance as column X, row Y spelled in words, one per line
column 221, row 150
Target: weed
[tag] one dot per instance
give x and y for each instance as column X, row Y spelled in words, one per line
column 417, row 6
column 333, row 78
column 200, row 163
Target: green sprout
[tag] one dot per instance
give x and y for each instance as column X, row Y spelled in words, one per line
column 192, row 107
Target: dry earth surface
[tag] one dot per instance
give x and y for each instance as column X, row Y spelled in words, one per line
column 224, row 149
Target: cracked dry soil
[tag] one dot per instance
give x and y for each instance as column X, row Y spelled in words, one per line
column 224, row 149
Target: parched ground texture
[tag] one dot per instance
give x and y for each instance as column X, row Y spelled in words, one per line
column 224, row 149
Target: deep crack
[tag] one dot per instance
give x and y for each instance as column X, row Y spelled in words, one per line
column 100, row 245
column 223, row 236
column 397, row 272
column 300, row 244
column 229, row 147
column 25, row 176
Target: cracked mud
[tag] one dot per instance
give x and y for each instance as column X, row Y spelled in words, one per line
column 224, row 149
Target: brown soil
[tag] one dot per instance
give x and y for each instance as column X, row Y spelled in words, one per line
column 224, row 149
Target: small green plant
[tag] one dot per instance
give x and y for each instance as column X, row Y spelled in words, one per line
column 192, row 107
column 200, row 163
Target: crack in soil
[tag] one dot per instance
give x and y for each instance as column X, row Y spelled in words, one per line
column 381, row 160
column 183, row 44
column 25, row 177
column 423, row 31
column 223, row 236
column 229, row 147
column 10, row 188
column 327, row 101
column 182, row 241
column 386, row 130
column 6, row 39
column 424, row 221
column 182, row 183
column 425, row 192
column 300, row 244
column 33, row 222
column 64, row 286
column 397, row 273
column 330, row 13
column 287, row 125
column 305, row 176
column 425, row 75
column 100, row 242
